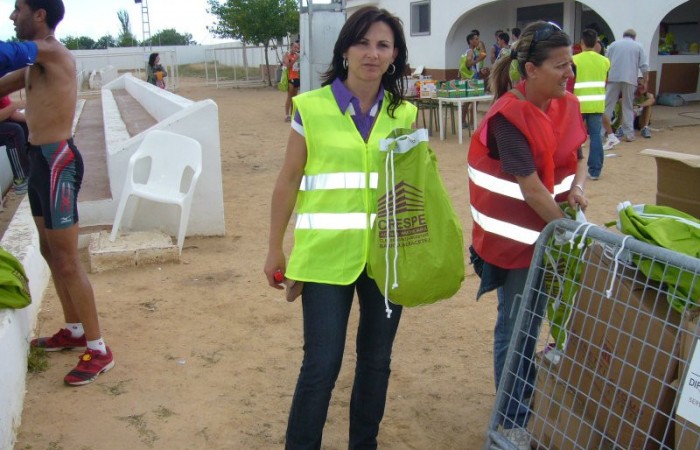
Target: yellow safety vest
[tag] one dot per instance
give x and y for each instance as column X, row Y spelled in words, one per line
column 591, row 73
column 336, row 204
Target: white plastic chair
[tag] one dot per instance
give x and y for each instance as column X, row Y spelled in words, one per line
column 170, row 157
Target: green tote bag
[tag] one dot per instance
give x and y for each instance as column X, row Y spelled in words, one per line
column 416, row 251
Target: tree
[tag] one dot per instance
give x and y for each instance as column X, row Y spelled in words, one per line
column 105, row 41
column 126, row 38
column 257, row 22
column 170, row 36
column 78, row 42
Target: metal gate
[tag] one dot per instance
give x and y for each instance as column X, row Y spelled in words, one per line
column 618, row 373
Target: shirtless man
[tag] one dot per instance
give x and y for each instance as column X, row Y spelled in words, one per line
column 46, row 70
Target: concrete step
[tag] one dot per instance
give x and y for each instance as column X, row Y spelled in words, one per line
column 130, row 249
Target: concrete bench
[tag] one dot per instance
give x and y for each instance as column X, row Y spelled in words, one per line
column 199, row 120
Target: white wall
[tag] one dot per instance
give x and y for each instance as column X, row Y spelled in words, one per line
column 451, row 21
column 22, row 240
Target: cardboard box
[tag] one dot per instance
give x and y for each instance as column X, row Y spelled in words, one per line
column 558, row 421
column 677, row 180
column 687, row 434
column 622, row 354
column 475, row 88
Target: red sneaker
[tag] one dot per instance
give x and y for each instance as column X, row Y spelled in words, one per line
column 63, row 340
column 92, row 363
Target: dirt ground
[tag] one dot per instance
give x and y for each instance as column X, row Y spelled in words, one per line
column 207, row 354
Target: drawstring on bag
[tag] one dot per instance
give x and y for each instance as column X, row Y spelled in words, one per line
column 389, row 168
column 608, row 293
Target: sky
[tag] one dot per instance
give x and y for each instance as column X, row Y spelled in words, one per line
column 95, row 18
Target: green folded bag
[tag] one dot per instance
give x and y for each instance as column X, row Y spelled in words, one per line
column 14, row 285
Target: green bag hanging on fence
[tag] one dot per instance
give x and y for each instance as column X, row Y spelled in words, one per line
column 564, row 266
column 14, row 285
column 283, row 85
column 669, row 228
column 416, row 250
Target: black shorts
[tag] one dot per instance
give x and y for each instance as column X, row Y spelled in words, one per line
column 294, row 82
column 56, row 172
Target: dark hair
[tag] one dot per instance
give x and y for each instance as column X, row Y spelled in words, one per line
column 504, row 36
column 516, row 32
column 152, row 59
column 471, row 36
column 594, row 26
column 527, row 51
column 589, row 37
column 498, row 32
column 475, row 31
column 54, row 10
column 354, row 29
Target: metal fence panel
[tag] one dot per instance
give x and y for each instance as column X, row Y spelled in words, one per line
column 613, row 377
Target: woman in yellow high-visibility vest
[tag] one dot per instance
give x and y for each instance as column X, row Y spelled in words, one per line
column 330, row 175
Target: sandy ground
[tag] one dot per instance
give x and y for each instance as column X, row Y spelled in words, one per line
column 207, row 354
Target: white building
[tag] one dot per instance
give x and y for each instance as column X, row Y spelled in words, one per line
column 436, row 30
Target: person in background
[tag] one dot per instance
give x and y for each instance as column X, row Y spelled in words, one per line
column 514, row 71
column 46, row 70
column 469, row 68
column 627, row 58
column 496, row 48
column 591, row 72
column 667, row 41
column 502, row 41
column 156, row 74
column 523, row 160
column 13, row 135
column 333, row 154
column 642, row 103
column 515, row 35
column 291, row 62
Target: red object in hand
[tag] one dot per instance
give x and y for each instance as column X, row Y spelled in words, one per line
column 278, row 276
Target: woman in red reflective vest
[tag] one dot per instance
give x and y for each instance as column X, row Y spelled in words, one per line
column 524, row 159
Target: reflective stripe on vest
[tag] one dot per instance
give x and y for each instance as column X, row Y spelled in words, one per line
column 342, row 180
column 597, row 89
column 591, row 98
column 505, row 229
column 334, row 221
column 510, row 188
column 589, row 84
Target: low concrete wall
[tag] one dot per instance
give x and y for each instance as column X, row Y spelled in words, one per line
column 6, row 176
column 198, row 120
column 22, row 240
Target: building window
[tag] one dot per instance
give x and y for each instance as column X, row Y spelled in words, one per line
column 420, row 18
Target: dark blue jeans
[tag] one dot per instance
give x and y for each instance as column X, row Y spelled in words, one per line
column 326, row 311
column 594, row 123
column 519, row 377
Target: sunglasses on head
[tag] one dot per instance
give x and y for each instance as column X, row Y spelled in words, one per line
column 542, row 34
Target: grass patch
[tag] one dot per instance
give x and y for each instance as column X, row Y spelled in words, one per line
column 37, row 361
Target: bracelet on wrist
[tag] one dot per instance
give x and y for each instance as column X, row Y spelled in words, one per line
column 580, row 188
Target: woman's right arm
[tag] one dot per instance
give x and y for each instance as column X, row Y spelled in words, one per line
column 284, row 198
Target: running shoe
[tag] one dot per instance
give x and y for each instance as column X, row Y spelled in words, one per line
column 646, row 132
column 92, row 363
column 63, row 340
column 611, row 142
column 21, row 186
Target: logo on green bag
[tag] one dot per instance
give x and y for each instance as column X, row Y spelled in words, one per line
column 410, row 225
